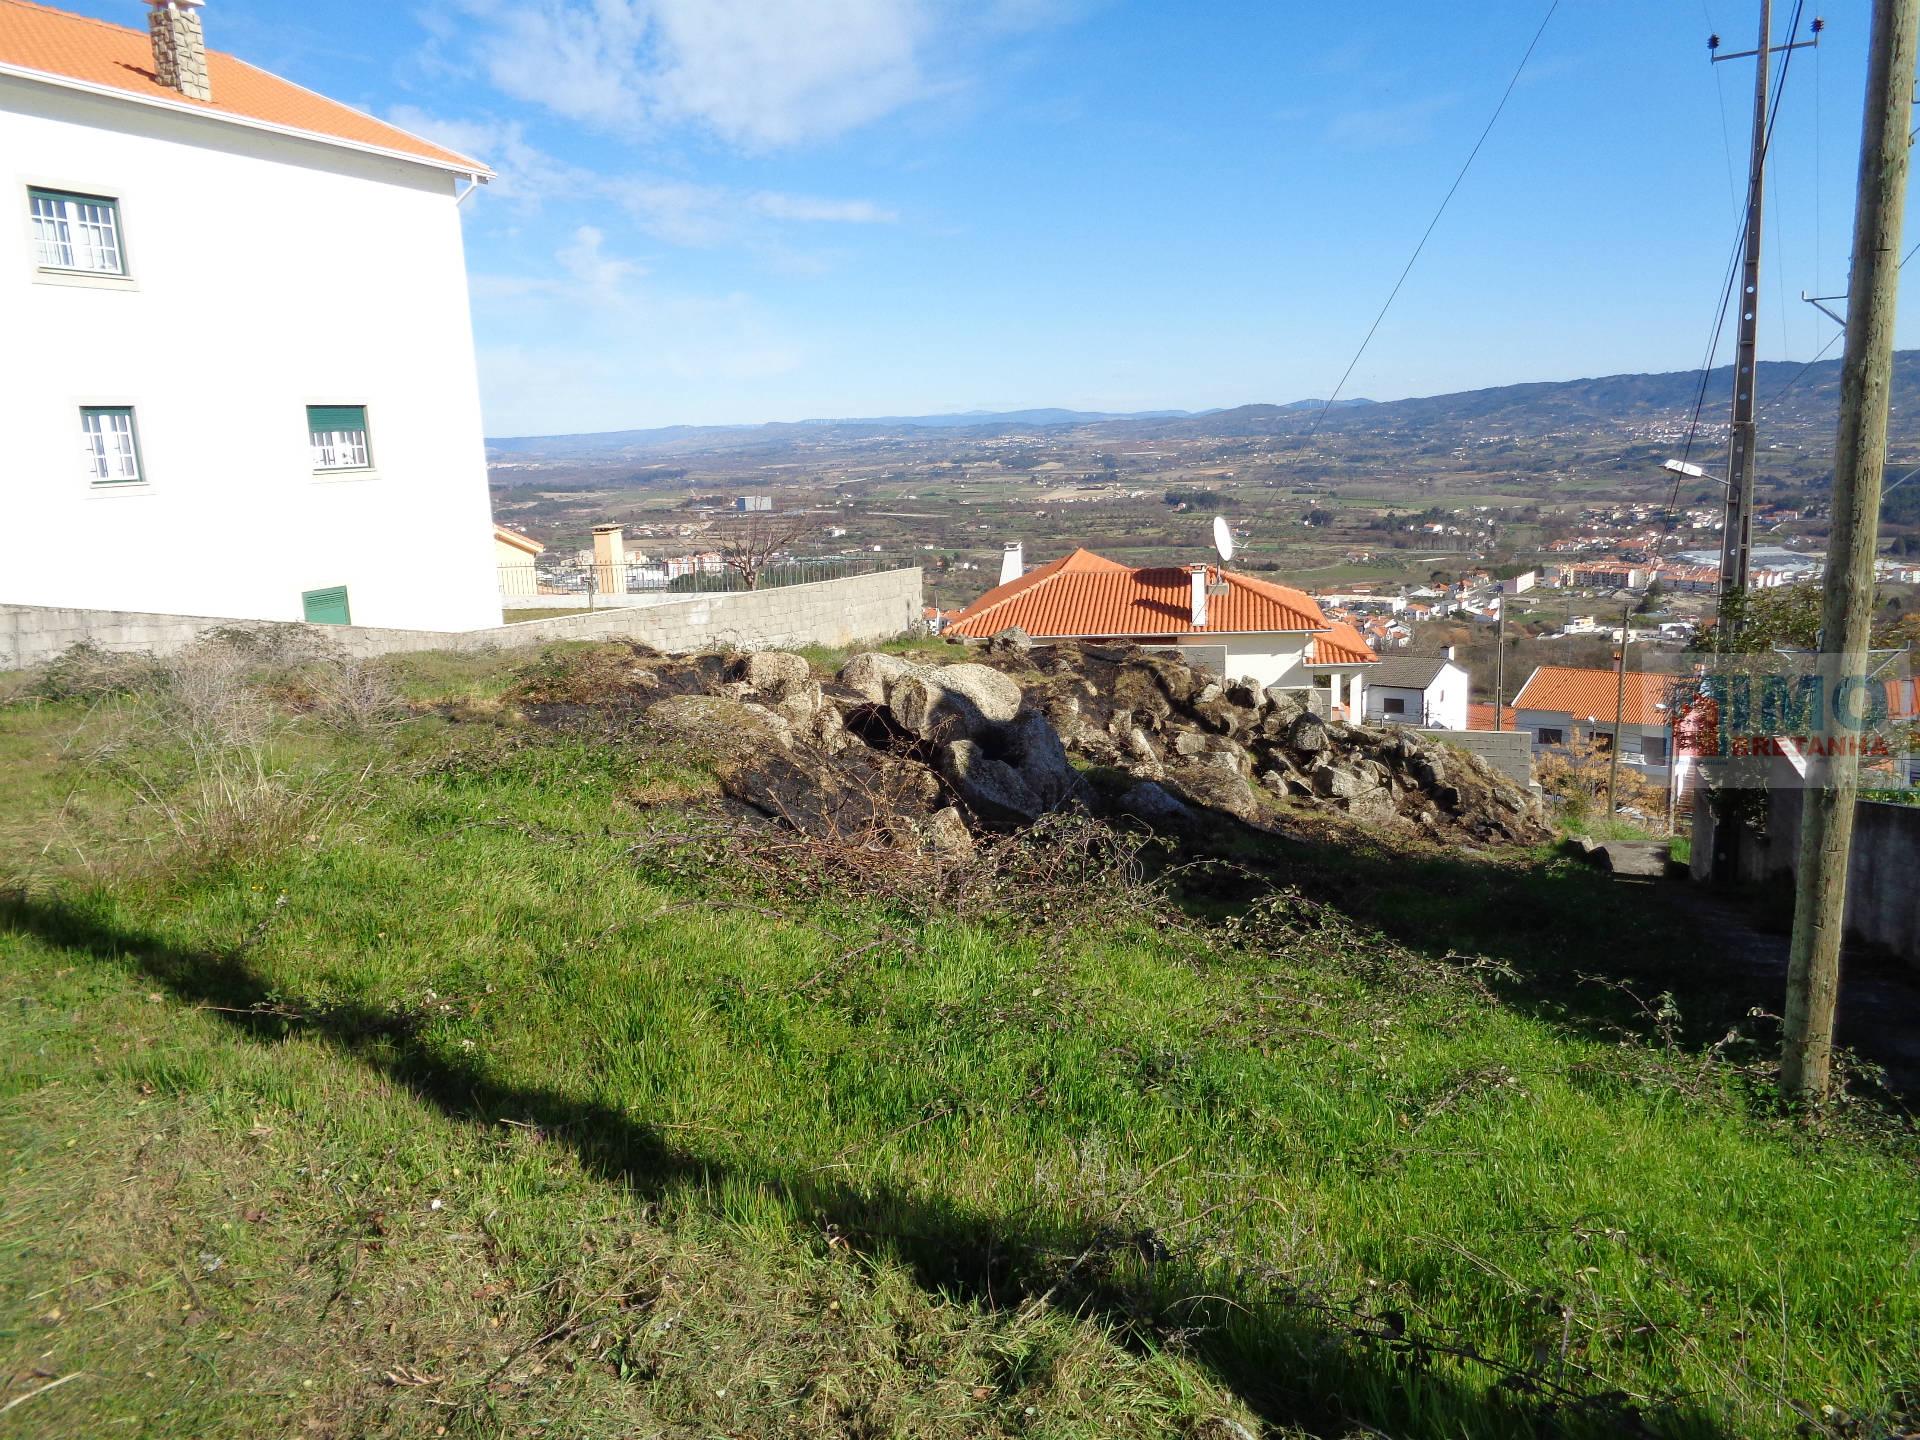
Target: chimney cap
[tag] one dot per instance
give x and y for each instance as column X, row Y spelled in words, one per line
column 176, row 4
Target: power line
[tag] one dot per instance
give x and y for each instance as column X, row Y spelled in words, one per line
column 1720, row 89
column 1733, row 264
column 1444, row 202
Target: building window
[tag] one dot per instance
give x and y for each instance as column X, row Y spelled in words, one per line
column 1653, row 749
column 1552, row 737
column 109, row 444
column 338, row 434
column 77, row 232
column 326, row 607
column 1394, row 706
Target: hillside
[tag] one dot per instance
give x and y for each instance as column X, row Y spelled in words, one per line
column 1793, row 398
column 444, row 1048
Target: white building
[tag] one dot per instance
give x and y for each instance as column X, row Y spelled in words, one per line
column 1428, row 690
column 239, row 372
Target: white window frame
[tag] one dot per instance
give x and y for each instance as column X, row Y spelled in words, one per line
column 335, row 452
column 90, row 229
column 111, row 451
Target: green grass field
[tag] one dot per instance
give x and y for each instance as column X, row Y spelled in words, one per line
column 459, row 1090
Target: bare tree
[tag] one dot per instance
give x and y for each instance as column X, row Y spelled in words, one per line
column 751, row 543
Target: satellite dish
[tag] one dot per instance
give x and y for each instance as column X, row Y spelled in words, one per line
column 1223, row 538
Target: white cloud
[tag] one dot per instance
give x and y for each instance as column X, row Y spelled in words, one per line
column 765, row 73
column 591, row 267
column 600, row 347
column 680, row 212
column 811, row 208
column 758, row 74
column 523, row 173
column 1373, row 127
column 684, row 213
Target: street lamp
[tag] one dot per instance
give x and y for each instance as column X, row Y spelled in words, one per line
column 1692, row 472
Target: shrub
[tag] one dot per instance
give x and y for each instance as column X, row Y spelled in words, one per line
column 86, row 671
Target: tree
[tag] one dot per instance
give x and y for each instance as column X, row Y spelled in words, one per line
column 751, row 543
column 1752, row 622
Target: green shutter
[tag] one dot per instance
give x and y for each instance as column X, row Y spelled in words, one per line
column 326, row 607
column 336, row 417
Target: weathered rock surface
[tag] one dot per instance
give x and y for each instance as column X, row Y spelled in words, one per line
column 992, row 789
column 996, row 744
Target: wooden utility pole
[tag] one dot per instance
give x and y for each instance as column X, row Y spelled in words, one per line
column 1866, row 378
column 1619, row 706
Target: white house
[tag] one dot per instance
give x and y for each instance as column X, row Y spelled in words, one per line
column 238, row 377
column 1562, row 704
column 1427, row 690
column 1234, row 625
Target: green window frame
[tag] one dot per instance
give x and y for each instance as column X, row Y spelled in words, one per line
column 326, row 607
column 339, row 438
column 75, row 233
column 110, row 446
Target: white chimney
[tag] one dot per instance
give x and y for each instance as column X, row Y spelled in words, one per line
column 1013, row 561
column 1199, row 574
column 179, row 47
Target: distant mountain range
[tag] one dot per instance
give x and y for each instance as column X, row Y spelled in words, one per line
column 681, row 438
column 1794, row 400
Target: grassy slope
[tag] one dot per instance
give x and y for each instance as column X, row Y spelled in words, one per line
column 461, row 1115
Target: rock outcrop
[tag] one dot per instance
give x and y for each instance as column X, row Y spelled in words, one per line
column 1026, row 730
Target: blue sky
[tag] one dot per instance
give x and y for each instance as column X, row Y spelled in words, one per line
column 718, row 211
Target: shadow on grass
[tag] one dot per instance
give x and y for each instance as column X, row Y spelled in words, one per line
column 1297, row 1361
column 1584, row 951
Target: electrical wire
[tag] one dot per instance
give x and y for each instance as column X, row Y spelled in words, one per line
column 1726, row 294
column 1817, row 224
column 1726, row 138
column 1445, row 200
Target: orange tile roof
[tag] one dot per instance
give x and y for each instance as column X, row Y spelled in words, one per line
column 1341, row 645
column 1087, row 596
column 70, row 47
column 1583, row 692
column 1480, row 717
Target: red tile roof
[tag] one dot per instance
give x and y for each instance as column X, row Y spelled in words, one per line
column 1087, row 596
column 1480, row 717
column 77, row 48
column 1583, row 692
column 1341, row 645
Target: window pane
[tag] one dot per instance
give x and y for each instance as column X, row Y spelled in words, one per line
column 53, row 243
column 337, row 435
column 109, row 449
column 75, row 232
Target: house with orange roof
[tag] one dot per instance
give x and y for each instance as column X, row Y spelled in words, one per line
column 1234, row 625
column 1480, row 717
column 241, row 338
column 1562, row 704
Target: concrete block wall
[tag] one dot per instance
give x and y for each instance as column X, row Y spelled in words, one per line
column 1883, row 901
column 826, row 612
column 1508, row 751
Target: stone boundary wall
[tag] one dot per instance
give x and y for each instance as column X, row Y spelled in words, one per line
column 1508, row 751
column 824, row 612
column 1883, row 900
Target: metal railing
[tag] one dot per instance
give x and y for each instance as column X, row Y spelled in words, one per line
column 567, row 585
